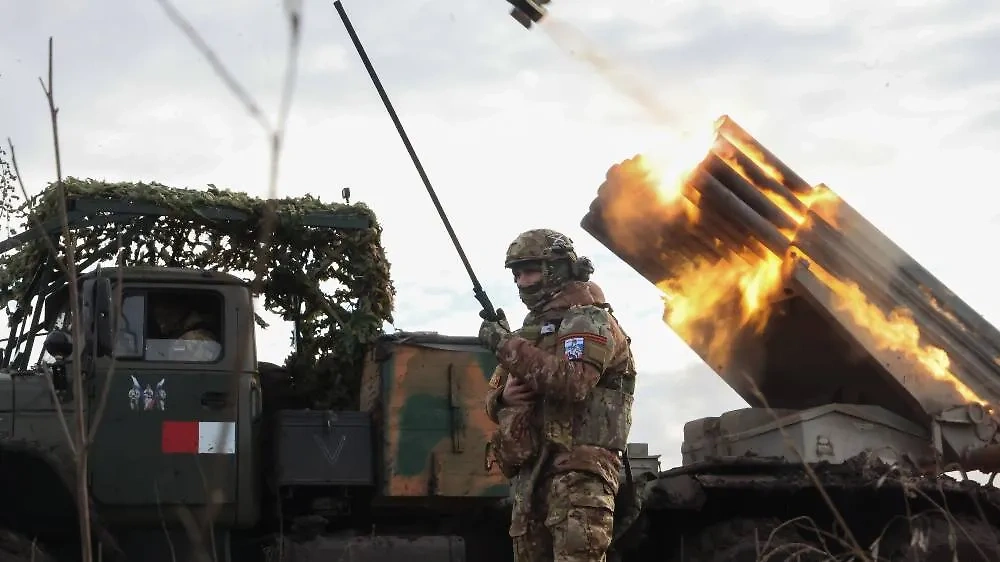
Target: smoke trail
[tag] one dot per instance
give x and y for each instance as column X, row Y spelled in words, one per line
column 573, row 41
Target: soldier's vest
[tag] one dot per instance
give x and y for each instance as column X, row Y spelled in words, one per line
column 604, row 417
column 517, row 439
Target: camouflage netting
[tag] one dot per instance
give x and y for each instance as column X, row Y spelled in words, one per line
column 336, row 326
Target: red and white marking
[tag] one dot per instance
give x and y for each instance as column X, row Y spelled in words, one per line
column 199, row 437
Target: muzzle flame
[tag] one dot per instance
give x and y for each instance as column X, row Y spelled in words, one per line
column 728, row 218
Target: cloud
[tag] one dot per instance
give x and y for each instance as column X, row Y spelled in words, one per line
column 893, row 106
column 669, row 398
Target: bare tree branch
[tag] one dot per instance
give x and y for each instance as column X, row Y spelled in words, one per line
column 82, row 491
column 220, row 69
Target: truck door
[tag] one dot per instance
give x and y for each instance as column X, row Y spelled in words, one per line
column 166, row 433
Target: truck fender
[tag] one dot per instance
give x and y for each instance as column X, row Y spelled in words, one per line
column 27, row 465
column 34, row 476
column 29, row 475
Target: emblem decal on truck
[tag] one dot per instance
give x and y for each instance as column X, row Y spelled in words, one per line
column 148, row 398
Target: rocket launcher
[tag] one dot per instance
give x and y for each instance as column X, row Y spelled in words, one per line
column 795, row 300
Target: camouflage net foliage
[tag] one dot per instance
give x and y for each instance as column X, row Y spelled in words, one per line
column 8, row 183
column 336, row 327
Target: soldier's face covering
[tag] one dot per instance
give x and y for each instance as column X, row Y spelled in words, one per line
column 538, row 282
column 528, row 277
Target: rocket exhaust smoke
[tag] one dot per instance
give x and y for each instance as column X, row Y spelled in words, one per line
column 571, row 40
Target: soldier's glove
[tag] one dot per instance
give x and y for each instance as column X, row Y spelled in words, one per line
column 493, row 334
column 500, row 317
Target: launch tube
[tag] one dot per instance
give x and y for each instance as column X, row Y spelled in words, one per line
column 757, row 176
column 714, row 219
column 747, row 192
column 712, row 190
column 739, row 137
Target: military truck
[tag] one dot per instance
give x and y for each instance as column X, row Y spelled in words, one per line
column 362, row 445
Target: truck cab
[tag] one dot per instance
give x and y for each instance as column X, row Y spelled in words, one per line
column 170, row 388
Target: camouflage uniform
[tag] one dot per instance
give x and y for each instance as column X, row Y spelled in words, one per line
column 562, row 452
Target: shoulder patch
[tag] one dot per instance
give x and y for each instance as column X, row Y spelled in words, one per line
column 573, row 347
column 586, row 334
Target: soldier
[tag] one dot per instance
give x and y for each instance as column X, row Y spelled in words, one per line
column 562, row 399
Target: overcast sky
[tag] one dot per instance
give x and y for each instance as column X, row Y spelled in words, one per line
column 895, row 107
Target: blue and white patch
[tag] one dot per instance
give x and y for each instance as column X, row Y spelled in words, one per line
column 548, row 328
column 573, row 348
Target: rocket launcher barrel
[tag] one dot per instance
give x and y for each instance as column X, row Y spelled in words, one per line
column 851, row 317
column 749, row 146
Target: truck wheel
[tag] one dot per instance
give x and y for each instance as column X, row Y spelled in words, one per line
column 746, row 540
column 15, row 547
column 936, row 538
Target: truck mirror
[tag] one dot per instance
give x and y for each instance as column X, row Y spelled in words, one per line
column 97, row 314
column 58, row 344
column 11, row 307
column 103, row 337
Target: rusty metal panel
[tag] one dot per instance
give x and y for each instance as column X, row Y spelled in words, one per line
column 426, row 394
column 740, row 208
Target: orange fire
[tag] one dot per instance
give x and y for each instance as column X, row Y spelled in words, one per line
column 710, row 300
column 896, row 332
column 822, row 201
column 704, row 298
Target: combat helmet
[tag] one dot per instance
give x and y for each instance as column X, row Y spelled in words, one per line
column 554, row 254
